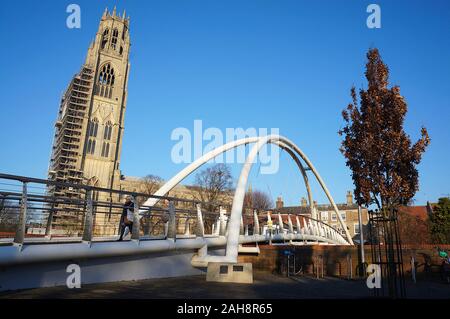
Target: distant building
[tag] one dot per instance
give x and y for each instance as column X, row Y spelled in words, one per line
column 348, row 211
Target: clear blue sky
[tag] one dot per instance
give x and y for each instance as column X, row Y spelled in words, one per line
column 251, row 63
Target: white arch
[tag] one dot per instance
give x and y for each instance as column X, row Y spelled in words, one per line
column 261, row 141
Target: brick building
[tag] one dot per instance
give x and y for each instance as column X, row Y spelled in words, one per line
column 348, row 211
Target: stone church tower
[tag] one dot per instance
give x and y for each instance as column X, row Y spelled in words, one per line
column 90, row 124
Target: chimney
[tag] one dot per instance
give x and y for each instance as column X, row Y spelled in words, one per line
column 279, row 203
column 303, row 202
column 349, row 198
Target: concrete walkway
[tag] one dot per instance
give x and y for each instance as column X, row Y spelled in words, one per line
column 265, row 286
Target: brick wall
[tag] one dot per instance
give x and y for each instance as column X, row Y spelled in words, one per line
column 337, row 260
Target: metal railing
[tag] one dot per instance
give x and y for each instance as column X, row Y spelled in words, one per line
column 46, row 209
column 39, row 210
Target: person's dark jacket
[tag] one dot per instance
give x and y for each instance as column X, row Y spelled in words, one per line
column 128, row 205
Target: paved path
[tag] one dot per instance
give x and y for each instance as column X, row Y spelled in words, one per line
column 265, row 286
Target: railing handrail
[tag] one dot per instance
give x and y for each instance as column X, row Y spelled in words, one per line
column 25, row 179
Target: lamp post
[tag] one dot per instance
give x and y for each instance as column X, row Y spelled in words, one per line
column 361, row 239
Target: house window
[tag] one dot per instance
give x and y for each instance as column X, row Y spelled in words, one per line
column 91, row 146
column 93, row 128
column 356, row 228
column 333, row 217
column 344, row 216
column 105, row 149
column 108, row 131
column 324, row 215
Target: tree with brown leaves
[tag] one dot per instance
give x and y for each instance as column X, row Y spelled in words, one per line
column 377, row 150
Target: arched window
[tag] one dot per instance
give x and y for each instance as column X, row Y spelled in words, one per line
column 115, row 34
column 105, row 82
column 93, row 128
column 108, row 131
column 91, row 146
column 105, row 38
column 105, row 149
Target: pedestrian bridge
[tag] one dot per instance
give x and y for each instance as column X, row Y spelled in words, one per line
column 47, row 225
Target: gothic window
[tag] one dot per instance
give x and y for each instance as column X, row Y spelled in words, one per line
column 93, row 128
column 115, row 34
column 108, row 131
column 106, row 81
column 121, row 50
column 104, row 38
column 105, row 149
column 91, row 146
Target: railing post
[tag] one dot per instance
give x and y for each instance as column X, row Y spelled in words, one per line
column 299, row 227
column 217, row 227
column 20, row 231
column 291, row 226
column 255, row 223
column 88, row 218
column 48, row 227
column 270, row 227
column 187, row 227
column 223, row 224
column 241, row 226
column 148, row 228
column 280, row 224
column 172, row 229
column 136, row 221
column 200, row 229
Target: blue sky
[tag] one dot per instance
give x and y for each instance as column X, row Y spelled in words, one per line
column 252, row 63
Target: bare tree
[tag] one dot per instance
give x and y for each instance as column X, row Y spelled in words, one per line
column 151, row 183
column 211, row 184
column 258, row 200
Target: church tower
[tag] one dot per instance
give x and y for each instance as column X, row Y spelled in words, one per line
column 90, row 124
column 108, row 57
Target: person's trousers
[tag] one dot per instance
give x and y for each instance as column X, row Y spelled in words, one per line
column 124, row 226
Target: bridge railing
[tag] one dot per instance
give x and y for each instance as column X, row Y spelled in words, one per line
column 36, row 209
column 288, row 223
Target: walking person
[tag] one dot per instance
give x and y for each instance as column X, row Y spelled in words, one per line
column 126, row 220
